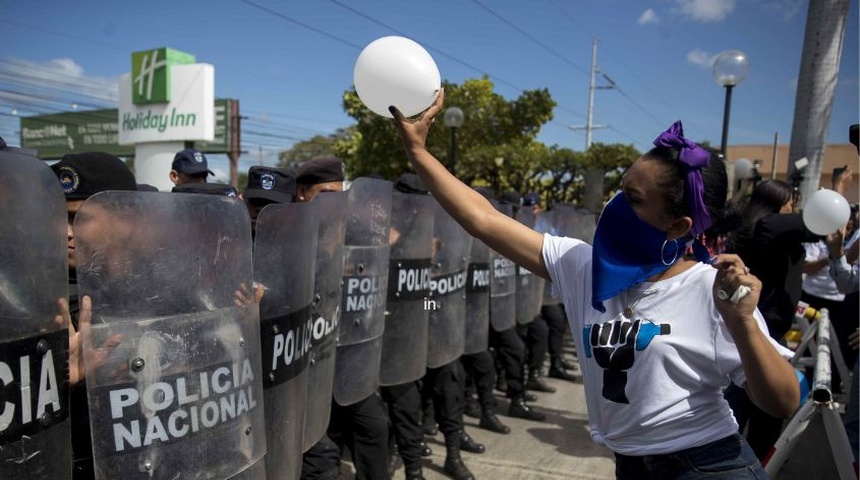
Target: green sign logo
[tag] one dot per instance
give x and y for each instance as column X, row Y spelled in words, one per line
column 150, row 74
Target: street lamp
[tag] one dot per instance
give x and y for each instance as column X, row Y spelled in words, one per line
column 730, row 69
column 454, row 119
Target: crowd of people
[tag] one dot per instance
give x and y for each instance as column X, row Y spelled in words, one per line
column 678, row 308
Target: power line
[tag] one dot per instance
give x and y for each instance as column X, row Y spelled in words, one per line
column 445, row 54
column 530, row 37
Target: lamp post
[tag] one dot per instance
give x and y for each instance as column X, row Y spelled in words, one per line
column 730, row 69
column 454, row 119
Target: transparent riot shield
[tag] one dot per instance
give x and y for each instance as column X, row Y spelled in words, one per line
column 173, row 354
column 478, row 299
column 503, row 284
column 331, row 213
column 35, row 438
column 529, row 286
column 447, row 304
column 365, row 277
column 285, row 248
column 570, row 221
column 404, row 341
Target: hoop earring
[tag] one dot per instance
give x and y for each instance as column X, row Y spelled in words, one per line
column 663, row 254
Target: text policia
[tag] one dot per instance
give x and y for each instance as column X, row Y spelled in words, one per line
column 182, row 405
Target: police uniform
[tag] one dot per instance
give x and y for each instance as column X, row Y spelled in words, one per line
column 82, row 175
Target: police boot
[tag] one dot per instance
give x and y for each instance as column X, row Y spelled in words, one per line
column 425, row 449
column 501, row 384
column 519, row 409
column 489, row 421
column 469, row 445
column 394, row 460
column 428, row 424
column 536, row 383
column 414, row 474
column 472, row 408
column 454, row 466
column 557, row 370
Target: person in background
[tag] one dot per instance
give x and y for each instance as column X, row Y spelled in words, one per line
column 189, row 166
column 268, row 185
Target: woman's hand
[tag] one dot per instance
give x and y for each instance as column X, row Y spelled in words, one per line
column 736, row 291
column 413, row 131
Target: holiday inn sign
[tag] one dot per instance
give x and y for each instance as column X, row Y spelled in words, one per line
column 166, row 97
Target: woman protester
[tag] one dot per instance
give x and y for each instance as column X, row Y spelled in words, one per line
column 660, row 332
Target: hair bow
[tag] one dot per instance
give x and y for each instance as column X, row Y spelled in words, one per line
column 694, row 157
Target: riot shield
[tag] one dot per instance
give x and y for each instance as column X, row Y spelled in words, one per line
column 173, row 354
column 35, row 438
column 529, row 286
column 503, row 284
column 365, row 277
column 478, row 299
column 447, row 303
column 285, row 248
column 570, row 221
column 404, row 341
column 331, row 213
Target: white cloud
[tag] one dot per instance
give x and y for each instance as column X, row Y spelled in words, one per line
column 58, row 81
column 701, row 58
column 706, row 10
column 648, row 16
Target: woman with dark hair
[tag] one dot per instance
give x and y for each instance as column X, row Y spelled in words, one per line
column 770, row 242
column 660, row 330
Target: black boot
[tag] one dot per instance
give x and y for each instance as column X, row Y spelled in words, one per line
column 528, row 396
column 501, row 384
column 519, row 409
column 492, row 423
column 394, row 460
column 414, row 474
column 469, row 445
column 428, row 424
column 472, row 408
column 425, row 449
column 557, row 370
column 536, row 383
column 454, row 466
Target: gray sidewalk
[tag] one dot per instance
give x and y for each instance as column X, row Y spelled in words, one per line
column 558, row 448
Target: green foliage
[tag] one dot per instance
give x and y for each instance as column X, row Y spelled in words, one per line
column 496, row 145
column 318, row 146
column 490, row 120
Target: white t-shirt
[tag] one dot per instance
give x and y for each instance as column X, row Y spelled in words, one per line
column 820, row 283
column 682, row 356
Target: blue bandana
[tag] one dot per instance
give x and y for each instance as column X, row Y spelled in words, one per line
column 627, row 250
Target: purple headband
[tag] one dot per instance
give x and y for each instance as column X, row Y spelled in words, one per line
column 694, row 157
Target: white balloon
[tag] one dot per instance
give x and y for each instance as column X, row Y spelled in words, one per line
column 743, row 169
column 825, row 212
column 396, row 71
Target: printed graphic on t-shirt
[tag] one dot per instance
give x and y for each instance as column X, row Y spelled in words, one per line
column 612, row 344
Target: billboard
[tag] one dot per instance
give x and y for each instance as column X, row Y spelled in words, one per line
column 55, row 135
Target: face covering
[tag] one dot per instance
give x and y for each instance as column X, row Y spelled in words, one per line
column 626, row 251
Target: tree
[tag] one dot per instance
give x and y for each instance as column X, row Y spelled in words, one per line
column 494, row 127
column 604, row 164
column 318, row 146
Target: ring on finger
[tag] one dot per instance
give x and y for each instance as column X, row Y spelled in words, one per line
column 746, row 270
column 722, row 294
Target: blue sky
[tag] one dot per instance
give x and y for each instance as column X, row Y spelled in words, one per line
column 289, row 62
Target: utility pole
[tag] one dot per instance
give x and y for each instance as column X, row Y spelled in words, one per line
column 589, row 126
column 235, row 142
column 592, row 196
